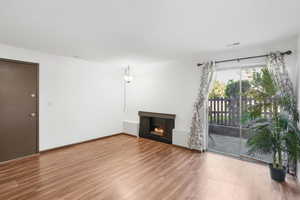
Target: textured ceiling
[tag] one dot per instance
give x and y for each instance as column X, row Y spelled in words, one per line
column 111, row 29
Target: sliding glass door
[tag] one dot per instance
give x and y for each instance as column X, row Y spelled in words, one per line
column 224, row 117
column 229, row 99
column 247, row 101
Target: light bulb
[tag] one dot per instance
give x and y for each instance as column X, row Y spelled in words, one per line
column 128, row 78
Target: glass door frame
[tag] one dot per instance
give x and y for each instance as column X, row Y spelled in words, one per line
column 241, row 68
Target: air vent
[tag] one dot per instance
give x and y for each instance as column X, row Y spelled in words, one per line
column 233, row 44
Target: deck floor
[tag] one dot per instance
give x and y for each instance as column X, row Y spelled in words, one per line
column 234, row 146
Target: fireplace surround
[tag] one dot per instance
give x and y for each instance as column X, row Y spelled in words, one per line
column 157, row 126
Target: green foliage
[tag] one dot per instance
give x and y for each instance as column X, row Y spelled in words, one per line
column 279, row 133
column 262, row 86
column 218, row 90
column 232, row 89
column 289, row 104
column 261, row 140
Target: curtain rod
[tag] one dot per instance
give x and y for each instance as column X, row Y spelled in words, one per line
column 289, row 52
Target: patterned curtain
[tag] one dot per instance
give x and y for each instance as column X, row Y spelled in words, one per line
column 276, row 65
column 199, row 128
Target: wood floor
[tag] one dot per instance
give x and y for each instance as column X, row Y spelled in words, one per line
column 123, row 167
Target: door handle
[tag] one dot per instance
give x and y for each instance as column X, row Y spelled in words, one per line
column 32, row 114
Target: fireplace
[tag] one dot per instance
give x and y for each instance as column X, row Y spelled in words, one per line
column 157, row 126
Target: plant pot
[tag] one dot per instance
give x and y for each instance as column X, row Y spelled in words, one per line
column 277, row 174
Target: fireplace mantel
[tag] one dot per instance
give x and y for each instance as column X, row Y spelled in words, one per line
column 159, row 115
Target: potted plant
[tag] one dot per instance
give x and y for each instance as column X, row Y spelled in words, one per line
column 278, row 133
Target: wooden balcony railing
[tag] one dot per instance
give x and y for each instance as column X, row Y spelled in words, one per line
column 226, row 111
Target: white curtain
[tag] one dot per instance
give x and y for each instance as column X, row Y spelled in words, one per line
column 199, row 129
column 276, row 65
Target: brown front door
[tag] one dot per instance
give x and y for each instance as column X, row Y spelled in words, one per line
column 18, row 109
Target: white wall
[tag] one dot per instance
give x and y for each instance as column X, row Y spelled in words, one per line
column 167, row 87
column 171, row 86
column 79, row 100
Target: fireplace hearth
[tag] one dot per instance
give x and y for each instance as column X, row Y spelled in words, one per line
column 157, row 126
